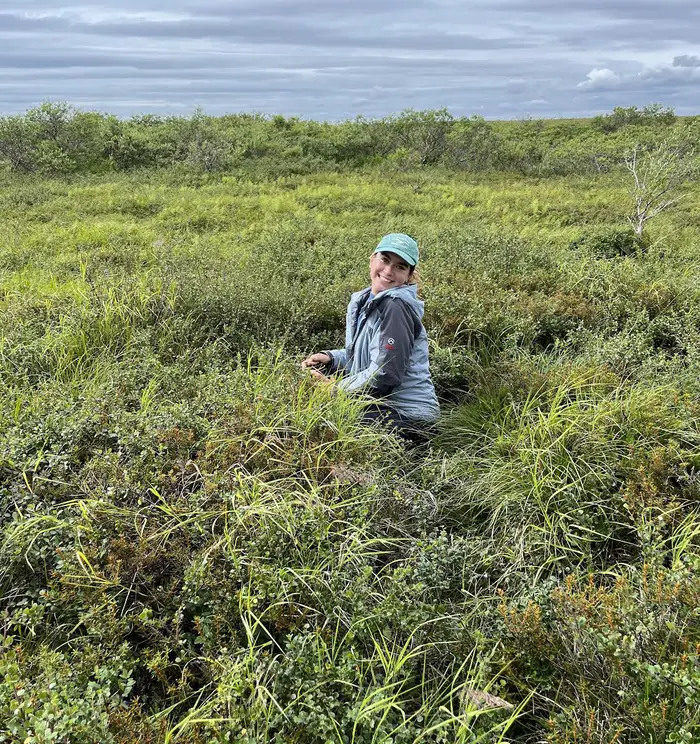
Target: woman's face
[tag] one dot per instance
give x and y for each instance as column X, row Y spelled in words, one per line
column 387, row 270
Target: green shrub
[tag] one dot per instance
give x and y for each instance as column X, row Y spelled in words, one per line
column 609, row 243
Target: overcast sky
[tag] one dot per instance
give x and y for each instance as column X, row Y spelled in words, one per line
column 333, row 59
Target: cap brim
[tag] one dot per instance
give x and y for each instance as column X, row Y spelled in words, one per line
column 401, row 254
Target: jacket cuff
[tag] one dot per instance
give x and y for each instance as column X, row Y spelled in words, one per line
column 332, row 366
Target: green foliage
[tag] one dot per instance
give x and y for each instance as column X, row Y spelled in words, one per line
column 651, row 115
column 57, row 139
column 608, row 243
column 423, row 134
column 58, row 697
column 199, row 544
column 473, row 145
column 17, row 143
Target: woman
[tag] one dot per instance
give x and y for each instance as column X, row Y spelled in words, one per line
column 386, row 346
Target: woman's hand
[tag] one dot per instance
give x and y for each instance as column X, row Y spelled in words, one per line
column 320, row 359
column 314, row 362
column 319, row 376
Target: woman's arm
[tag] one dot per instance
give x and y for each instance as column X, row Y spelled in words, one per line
column 390, row 352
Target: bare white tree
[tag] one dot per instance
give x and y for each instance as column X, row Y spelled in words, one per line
column 657, row 175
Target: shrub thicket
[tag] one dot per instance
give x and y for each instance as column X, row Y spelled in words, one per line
column 58, row 139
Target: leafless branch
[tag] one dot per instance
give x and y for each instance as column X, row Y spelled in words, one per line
column 655, row 173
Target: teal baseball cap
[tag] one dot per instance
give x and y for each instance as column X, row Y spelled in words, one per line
column 401, row 244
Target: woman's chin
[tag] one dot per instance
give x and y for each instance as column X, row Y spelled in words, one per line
column 381, row 287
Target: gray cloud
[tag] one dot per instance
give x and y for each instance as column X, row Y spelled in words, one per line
column 269, row 29
column 686, row 60
column 262, row 30
column 633, row 10
column 333, row 59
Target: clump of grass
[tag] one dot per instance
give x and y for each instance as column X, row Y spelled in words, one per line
column 550, row 475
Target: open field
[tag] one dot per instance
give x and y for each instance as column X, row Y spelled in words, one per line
column 200, row 545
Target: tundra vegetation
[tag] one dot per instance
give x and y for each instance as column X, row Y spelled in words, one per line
column 200, row 545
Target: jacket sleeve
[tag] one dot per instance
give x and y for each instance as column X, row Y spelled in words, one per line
column 390, row 353
column 338, row 359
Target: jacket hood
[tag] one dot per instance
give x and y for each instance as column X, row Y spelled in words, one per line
column 408, row 293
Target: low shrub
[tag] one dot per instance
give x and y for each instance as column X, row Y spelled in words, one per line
column 609, row 243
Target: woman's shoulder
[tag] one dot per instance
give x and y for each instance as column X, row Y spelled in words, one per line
column 355, row 297
column 407, row 296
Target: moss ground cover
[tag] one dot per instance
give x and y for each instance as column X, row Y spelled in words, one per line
column 200, row 545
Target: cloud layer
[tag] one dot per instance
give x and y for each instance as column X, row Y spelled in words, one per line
column 329, row 59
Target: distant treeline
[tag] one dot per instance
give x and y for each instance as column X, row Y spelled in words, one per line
column 58, row 139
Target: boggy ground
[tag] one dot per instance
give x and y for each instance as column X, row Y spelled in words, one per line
column 200, row 545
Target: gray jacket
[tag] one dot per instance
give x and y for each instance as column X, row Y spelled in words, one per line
column 386, row 352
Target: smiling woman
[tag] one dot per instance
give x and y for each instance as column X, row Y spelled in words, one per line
column 386, row 346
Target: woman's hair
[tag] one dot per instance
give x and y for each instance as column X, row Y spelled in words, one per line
column 414, row 277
